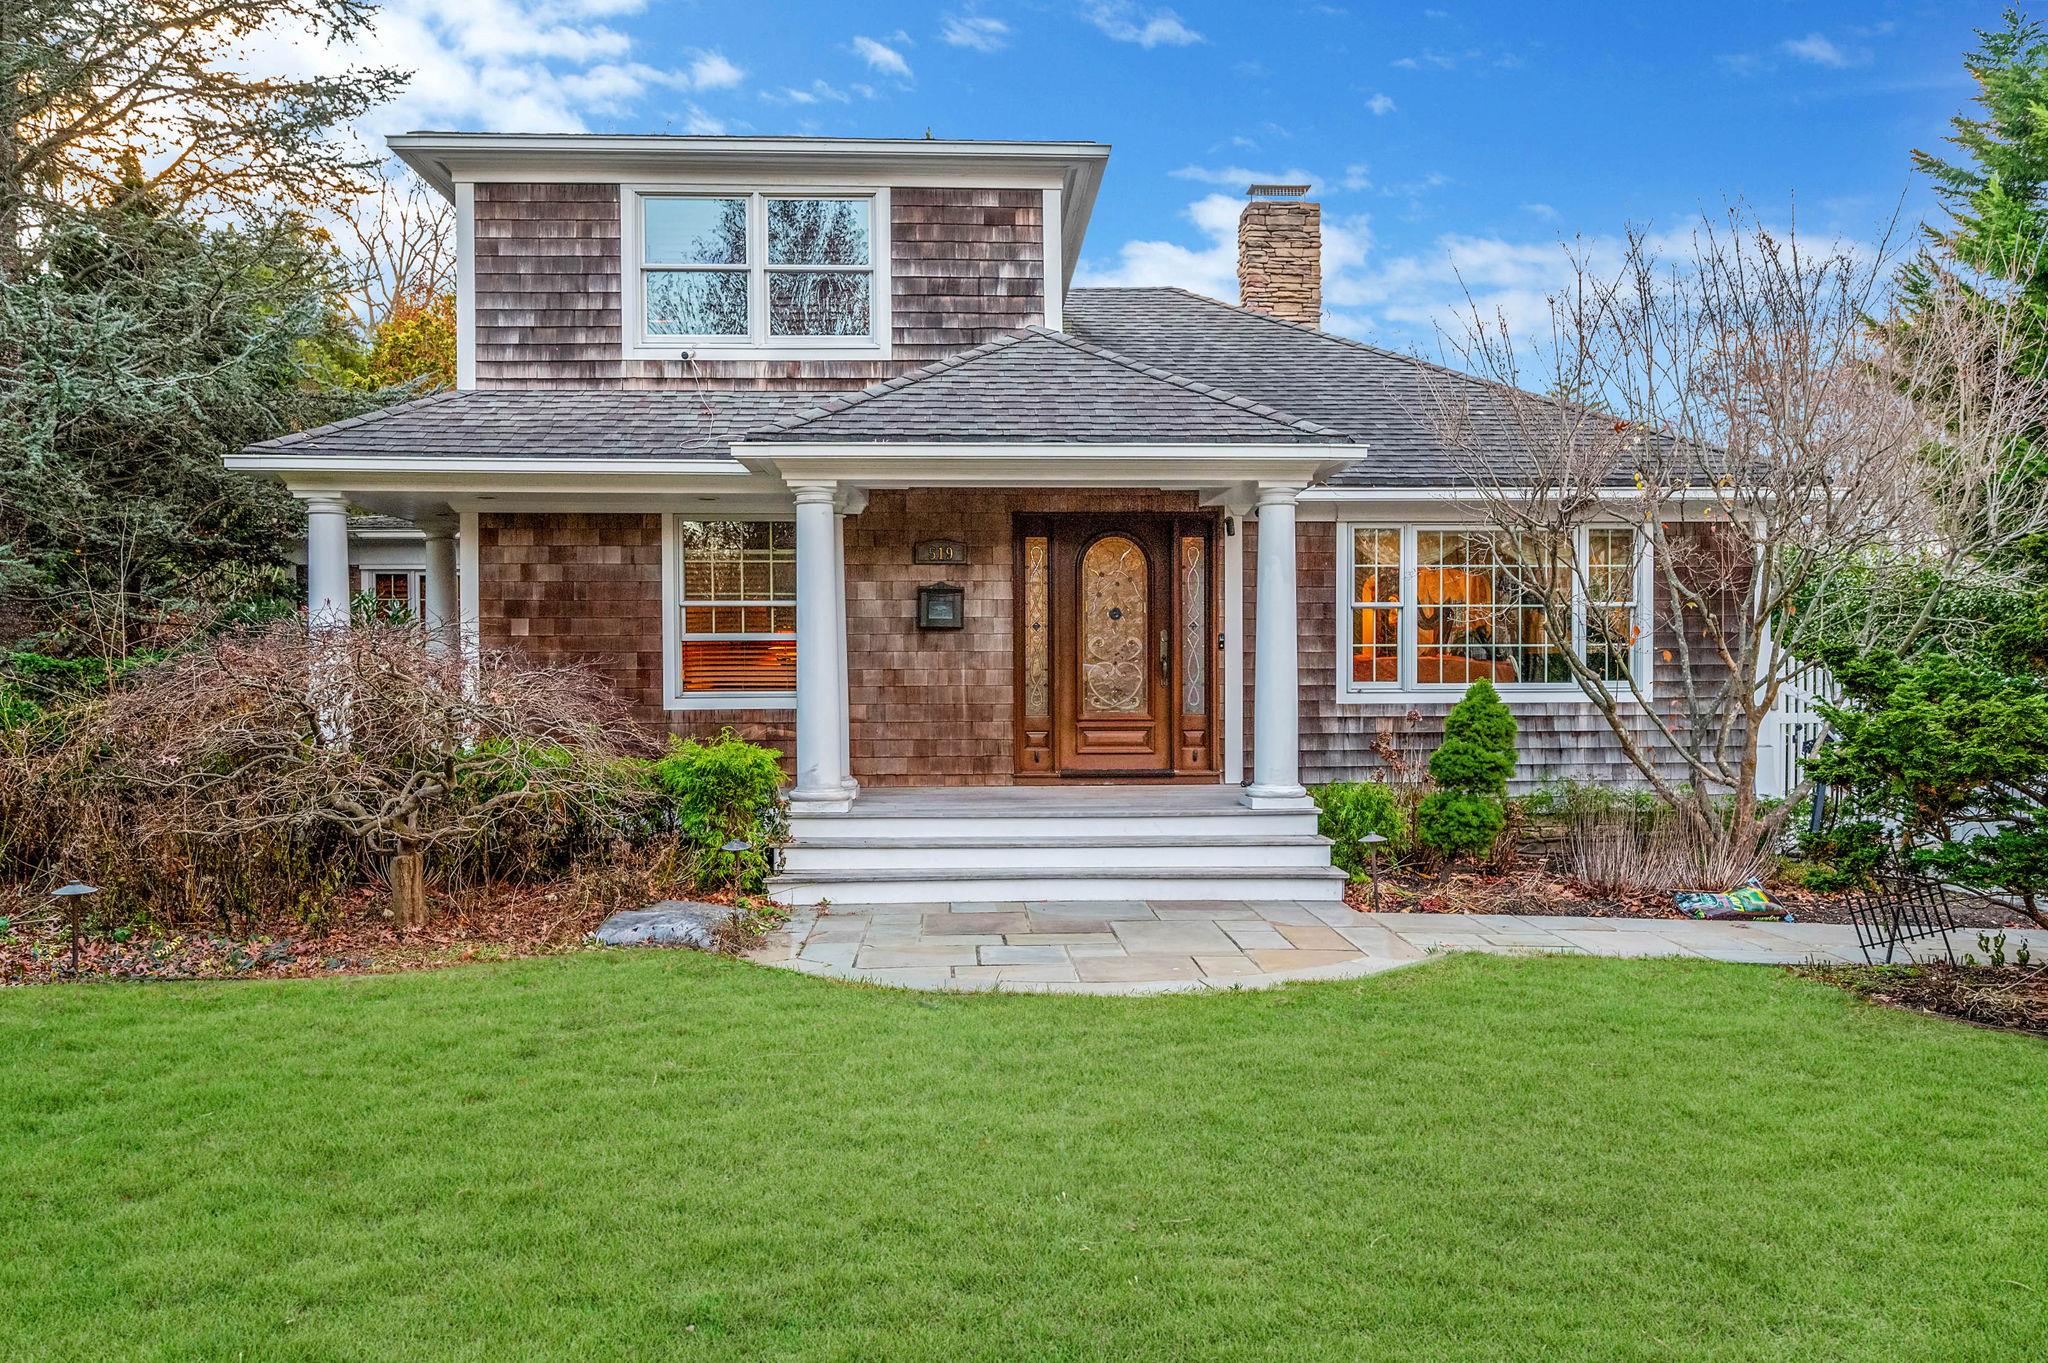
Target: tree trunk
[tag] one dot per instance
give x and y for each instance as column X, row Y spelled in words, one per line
column 407, row 874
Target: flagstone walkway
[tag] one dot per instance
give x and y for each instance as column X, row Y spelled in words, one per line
column 1144, row 948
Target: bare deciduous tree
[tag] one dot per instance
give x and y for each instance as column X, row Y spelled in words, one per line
column 399, row 242
column 1749, row 407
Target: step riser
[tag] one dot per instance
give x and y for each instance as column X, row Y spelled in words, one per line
column 937, row 857
column 794, row 891
column 920, row 829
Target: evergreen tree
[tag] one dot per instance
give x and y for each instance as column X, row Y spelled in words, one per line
column 148, row 346
column 1471, row 767
column 1995, row 198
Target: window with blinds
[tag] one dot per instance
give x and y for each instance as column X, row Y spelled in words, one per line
column 737, row 599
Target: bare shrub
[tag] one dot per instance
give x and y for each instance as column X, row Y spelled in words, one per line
column 1617, row 852
column 267, row 769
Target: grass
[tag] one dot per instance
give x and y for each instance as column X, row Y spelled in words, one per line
column 639, row 1155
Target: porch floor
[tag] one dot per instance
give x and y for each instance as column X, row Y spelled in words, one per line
column 1136, row 799
column 1145, row 947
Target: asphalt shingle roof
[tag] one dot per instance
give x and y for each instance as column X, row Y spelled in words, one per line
column 1390, row 401
column 516, row 424
column 1136, row 366
column 1046, row 387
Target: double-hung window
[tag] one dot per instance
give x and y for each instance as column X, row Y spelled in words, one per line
column 736, row 606
column 1429, row 607
column 730, row 272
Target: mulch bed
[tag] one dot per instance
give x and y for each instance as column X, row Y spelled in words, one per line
column 500, row 924
column 2012, row 997
column 1537, row 892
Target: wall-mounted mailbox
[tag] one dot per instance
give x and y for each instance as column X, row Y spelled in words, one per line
column 951, row 553
column 942, row 605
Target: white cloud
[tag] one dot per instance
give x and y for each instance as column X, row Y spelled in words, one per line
column 1128, row 22
column 1380, row 104
column 1357, row 177
column 504, row 66
column 819, row 92
column 711, row 71
column 1821, row 50
column 975, row 31
column 881, row 57
column 1210, row 268
column 1240, row 177
column 1541, row 210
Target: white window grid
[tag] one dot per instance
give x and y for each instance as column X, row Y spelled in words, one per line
column 1407, row 683
column 677, row 570
column 759, row 339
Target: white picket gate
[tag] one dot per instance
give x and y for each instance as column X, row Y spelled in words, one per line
column 1792, row 728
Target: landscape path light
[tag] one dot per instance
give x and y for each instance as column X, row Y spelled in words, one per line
column 69, row 896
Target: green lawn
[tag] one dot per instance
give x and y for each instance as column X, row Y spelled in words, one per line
column 651, row 1155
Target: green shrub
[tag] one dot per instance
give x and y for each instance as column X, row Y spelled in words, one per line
column 1471, row 767
column 1351, row 809
column 1456, row 823
column 1842, row 857
column 718, row 792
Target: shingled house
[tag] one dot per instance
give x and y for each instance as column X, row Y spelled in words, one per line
column 1055, row 592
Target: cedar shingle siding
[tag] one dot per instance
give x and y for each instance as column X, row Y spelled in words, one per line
column 584, row 590
column 965, row 265
column 547, row 286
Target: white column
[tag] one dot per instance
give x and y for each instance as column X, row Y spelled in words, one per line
column 469, row 595
column 820, row 691
column 327, row 585
column 1233, row 647
column 438, row 607
column 1276, row 697
column 845, row 731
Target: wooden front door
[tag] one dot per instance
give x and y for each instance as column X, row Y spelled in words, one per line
column 1116, row 645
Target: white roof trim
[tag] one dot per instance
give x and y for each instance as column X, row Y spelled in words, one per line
column 287, row 463
column 1008, row 464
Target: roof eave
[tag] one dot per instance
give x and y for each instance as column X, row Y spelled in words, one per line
column 1011, row 464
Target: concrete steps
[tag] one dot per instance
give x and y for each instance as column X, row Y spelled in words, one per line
column 1054, row 843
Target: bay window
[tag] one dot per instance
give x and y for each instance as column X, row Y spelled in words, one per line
column 1441, row 607
column 736, row 604
column 741, row 272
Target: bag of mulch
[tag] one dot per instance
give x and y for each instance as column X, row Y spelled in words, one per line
column 1746, row 901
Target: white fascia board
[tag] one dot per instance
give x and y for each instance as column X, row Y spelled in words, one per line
column 1012, row 465
column 508, row 469
column 1469, row 494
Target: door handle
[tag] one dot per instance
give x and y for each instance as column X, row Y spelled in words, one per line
column 1164, row 673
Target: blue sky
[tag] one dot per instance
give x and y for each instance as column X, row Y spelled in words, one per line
column 1445, row 137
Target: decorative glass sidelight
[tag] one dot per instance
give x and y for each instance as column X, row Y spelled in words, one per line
column 1114, row 627
column 1037, row 629
column 1194, row 630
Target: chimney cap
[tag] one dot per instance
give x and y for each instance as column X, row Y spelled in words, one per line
column 1277, row 192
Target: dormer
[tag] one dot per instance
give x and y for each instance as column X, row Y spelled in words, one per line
column 606, row 261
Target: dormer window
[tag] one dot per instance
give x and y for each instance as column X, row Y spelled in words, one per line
column 730, row 273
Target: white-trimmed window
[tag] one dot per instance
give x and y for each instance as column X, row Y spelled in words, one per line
column 735, row 594
column 768, row 272
column 395, row 588
column 1431, row 609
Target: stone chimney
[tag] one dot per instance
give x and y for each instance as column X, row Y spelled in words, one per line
column 1280, row 254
